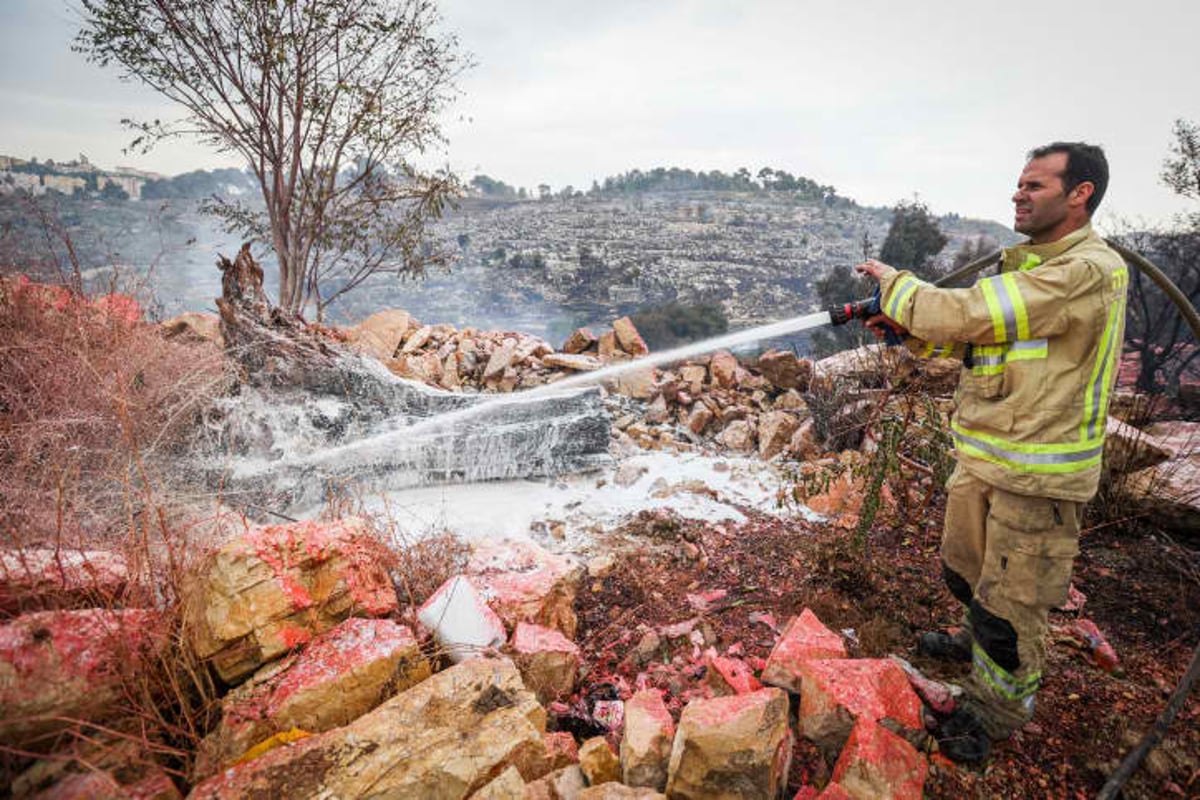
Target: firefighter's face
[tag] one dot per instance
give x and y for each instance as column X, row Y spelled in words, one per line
column 1040, row 203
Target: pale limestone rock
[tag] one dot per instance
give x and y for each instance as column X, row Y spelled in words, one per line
column 576, row 362
column 524, row 582
column 737, row 436
column 775, row 429
column 723, row 367
column 508, row 785
column 276, row 587
column 803, row 444
column 580, row 341
column 42, row 578
column 499, row 362
column 635, row 383
column 694, row 376
column 196, row 326
column 629, row 473
column 1127, row 449
column 338, row 677
column 628, row 337
column 380, row 334
column 565, row 783
column 417, row 339
column 461, row 620
column 548, row 661
column 607, row 346
column 790, row 401
column 646, row 745
column 784, row 370
column 442, row 739
column 619, row 791
column 598, row 762
column 656, row 412
column 732, row 747
column 699, row 418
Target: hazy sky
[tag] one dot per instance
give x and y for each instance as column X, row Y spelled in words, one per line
column 882, row 99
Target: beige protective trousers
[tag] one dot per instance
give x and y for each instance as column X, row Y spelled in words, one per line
column 1008, row 558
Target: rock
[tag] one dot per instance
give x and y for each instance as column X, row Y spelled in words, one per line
column 548, row 661
column 694, row 376
column 417, row 340
column 699, row 418
column 656, row 412
column 156, row 785
column 876, row 763
column 646, row 744
column 380, row 335
column 444, row 738
column 628, row 337
column 726, row 676
column 607, row 347
column 451, row 380
column 619, row 791
column 508, row 785
column 524, row 582
column 338, row 677
column 60, row 666
column 732, row 747
column 579, row 363
column 789, row 401
column 41, row 579
column 580, row 341
column 785, row 371
column 461, row 620
column 1169, row 493
column 629, row 473
column 635, row 383
column 501, row 359
column 737, row 436
column 804, row 638
column 561, row 750
column 195, row 326
column 723, row 367
column 1175, row 436
column 1127, row 449
column 563, row 784
column 836, row 692
column 598, row 762
column 804, row 445
column 276, row 587
column 775, row 429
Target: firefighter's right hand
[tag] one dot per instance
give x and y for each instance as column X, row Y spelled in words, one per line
column 881, row 325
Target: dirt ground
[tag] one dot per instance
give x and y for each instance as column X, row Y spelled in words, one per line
column 1142, row 590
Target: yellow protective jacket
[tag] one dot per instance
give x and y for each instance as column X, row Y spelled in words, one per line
column 1040, row 344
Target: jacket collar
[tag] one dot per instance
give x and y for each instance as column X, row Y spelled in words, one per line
column 1017, row 256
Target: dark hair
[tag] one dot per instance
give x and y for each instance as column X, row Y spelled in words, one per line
column 1085, row 162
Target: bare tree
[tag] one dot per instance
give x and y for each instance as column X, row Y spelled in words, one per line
column 328, row 102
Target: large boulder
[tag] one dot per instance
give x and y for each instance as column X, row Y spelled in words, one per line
column 835, row 693
column 443, row 739
column 732, row 747
column 524, row 582
column 876, row 764
column 803, row 639
column 738, row 436
column 784, row 370
column 628, row 337
column 57, row 667
column 598, row 762
column 548, row 661
column 508, row 785
column 577, row 362
column 1169, row 492
column 580, row 341
column 338, row 677
column 461, row 621
column 1127, row 449
column 35, row 579
column 276, row 587
column 646, row 744
column 724, row 368
column 381, row 334
column 775, row 430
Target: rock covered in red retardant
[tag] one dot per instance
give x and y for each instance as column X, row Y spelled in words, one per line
column 276, row 587
column 732, row 747
column 42, row 578
column 524, row 582
column 803, row 639
column 69, row 665
column 836, row 692
column 548, row 661
column 338, row 677
column 726, row 676
column 876, row 763
column 646, row 744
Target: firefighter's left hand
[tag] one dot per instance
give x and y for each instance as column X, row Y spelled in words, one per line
column 873, row 268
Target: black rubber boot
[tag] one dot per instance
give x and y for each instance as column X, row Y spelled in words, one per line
column 945, row 646
column 961, row 737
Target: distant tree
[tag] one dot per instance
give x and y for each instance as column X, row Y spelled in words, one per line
column 837, row 286
column 327, row 101
column 543, row 190
column 113, row 191
column 490, row 187
column 913, row 239
column 675, row 324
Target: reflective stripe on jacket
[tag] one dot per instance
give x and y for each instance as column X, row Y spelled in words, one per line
column 1041, row 342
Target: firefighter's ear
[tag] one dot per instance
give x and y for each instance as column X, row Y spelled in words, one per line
column 1080, row 194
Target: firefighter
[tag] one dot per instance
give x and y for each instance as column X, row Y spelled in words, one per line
column 1039, row 343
